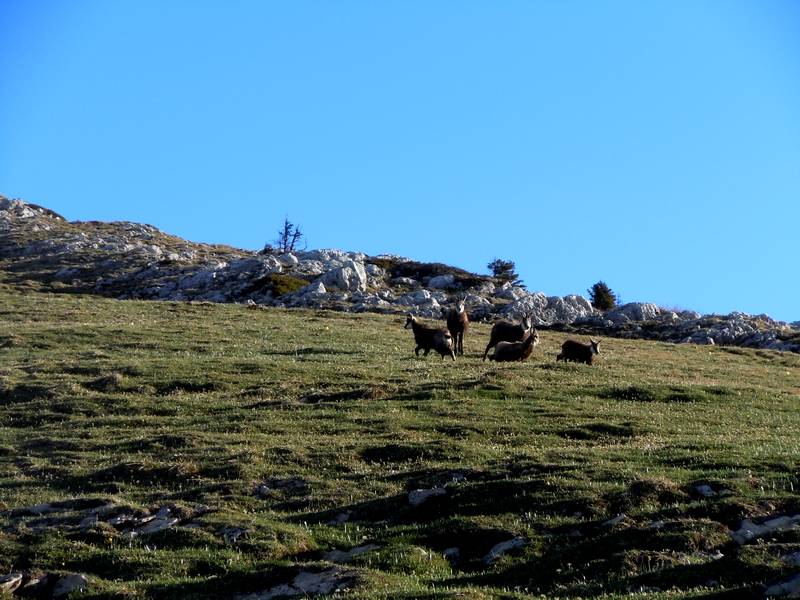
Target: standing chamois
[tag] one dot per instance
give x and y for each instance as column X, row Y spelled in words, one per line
column 457, row 324
column 578, row 352
column 430, row 338
column 512, row 351
column 506, row 331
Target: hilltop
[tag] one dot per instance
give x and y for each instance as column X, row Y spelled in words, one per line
column 40, row 250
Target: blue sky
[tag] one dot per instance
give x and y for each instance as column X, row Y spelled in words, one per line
column 653, row 145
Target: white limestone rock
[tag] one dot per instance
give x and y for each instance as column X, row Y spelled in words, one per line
column 441, row 282
column 407, row 281
column 288, row 260
column 350, row 277
column 502, row 548
column 633, row 311
column 748, row 530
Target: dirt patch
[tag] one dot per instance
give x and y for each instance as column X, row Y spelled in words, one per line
column 664, row 393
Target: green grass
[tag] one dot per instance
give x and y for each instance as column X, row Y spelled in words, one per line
column 137, row 406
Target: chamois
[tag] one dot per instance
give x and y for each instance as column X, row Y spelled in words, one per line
column 506, row 331
column 512, row 351
column 457, row 324
column 430, row 338
column 578, row 352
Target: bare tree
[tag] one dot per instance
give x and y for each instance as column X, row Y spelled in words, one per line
column 288, row 240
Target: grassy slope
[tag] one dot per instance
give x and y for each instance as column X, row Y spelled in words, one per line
column 144, row 404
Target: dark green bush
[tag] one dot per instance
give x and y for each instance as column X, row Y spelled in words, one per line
column 601, row 296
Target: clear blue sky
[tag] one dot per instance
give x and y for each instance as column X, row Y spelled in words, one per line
column 654, row 145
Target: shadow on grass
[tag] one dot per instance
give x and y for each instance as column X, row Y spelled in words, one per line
column 309, row 351
column 481, row 498
column 25, row 393
column 599, row 431
column 664, row 393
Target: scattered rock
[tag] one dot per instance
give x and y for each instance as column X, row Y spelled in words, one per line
column 502, row 548
column 705, row 491
column 549, row 310
column 232, row 534
column 749, row 531
column 405, row 281
column 510, row 292
column 342, row 556
column 615, row 521
column 10, row 582
column 418, row 497
column 351, row 277
column 67, row 584
column 441, row 281
column 151, row 525
column 292, row 486
column 710, row 490
column 288, row 260
column 633, row 311
column 307, row 583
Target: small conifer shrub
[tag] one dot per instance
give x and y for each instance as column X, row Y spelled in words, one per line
column 602, row 297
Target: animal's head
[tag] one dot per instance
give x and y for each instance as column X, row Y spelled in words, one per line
column 461, row 306
column 594, row 346
column 409, row 321
column 534, row 335
column 527, row 321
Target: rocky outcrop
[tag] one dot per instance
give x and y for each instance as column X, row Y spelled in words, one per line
column 549, row 310
column 131, row 260
column 688, row 327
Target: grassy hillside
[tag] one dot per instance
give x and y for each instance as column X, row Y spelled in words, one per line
column 262, row 440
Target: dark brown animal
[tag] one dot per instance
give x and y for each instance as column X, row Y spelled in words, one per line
column 506, row 331
column 578, row 352
column 457, row 324
column 430, row 338
column 513, row 351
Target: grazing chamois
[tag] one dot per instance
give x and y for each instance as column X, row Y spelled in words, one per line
column 512, row 351
column 457, row 324
column 506, row 331
column 578, row 352
column 430, row 338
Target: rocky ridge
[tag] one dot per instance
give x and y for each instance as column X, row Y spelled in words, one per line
column 41, row 250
